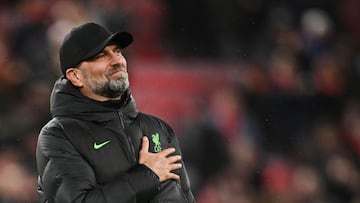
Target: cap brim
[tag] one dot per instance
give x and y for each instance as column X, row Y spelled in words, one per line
column 122, row 39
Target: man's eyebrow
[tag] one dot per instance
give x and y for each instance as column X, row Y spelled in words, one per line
column 92, row 58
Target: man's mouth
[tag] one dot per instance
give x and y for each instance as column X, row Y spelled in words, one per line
column 117, row 71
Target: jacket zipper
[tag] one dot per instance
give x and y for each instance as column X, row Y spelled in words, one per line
column 131, row 145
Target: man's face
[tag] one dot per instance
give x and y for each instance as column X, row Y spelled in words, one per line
column 106, row 73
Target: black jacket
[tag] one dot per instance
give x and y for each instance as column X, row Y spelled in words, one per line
column 89, row 152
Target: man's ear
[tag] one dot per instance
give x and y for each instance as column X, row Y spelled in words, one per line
column 73, row 75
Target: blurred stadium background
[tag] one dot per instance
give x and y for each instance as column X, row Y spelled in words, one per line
column 263, row 94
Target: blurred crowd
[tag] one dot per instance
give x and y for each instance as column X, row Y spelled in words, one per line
column 279, row 121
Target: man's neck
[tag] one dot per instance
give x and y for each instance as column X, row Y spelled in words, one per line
column 97, row 97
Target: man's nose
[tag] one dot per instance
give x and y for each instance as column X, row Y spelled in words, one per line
column 117, row 58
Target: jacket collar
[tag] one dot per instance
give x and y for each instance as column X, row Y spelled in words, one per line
column 67, row 101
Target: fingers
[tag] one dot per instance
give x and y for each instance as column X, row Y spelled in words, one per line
column 167, row 151
column 174, row 176
column 144, row 145
column 168, row 175
column 173, row 159
column 175, row 166
column 162, row 163
column 172, row 165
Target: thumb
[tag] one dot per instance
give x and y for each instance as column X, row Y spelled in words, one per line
column 144, row 145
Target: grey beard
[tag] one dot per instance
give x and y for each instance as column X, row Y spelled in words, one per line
column 113, row 88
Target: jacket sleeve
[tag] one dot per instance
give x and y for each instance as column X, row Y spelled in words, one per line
column 185, row 182
column 64, row 176
column 184, row 178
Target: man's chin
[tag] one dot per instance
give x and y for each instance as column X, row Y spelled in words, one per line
column 121, row 84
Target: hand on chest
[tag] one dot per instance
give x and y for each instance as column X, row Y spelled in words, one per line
column 111, row 151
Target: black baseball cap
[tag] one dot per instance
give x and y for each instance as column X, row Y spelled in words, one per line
column 87, row 40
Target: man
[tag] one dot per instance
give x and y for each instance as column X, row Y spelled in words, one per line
column 98, row 147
